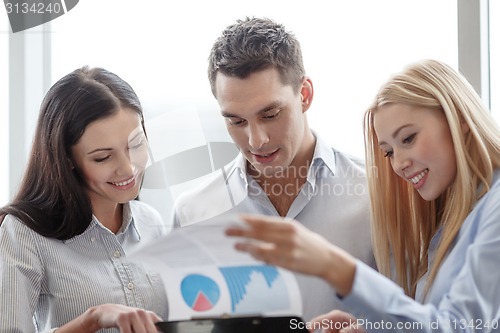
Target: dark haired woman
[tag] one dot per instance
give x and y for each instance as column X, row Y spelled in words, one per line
column 65, row 236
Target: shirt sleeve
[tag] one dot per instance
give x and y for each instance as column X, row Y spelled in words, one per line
column 472, row 302
column 20, row 277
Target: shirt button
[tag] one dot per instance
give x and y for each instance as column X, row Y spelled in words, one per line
column 130, row 286
column 92, row 239
column 117, row 254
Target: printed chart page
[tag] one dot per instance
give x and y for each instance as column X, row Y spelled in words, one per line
column 204, row 276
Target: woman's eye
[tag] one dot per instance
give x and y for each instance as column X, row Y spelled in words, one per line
column 409, row 139
column 100, row 160
column 388, row 153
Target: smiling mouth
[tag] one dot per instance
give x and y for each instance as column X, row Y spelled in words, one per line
column 415, row 180
column 264, row 155
column 124, row 182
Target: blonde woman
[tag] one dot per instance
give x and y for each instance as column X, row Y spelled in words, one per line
column 433, row 160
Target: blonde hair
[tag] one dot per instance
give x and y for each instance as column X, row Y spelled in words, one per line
column 404, row 223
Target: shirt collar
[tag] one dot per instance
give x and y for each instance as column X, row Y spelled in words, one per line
column 128, row 222
column 322, row 155
column 239, row 167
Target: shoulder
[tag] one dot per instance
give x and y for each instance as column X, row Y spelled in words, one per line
column 337, row 159
column 487, row 209
column 143, row 211
column 349, row 159
column 15, row 235
column 349, row 166
column 208, row 187
column 492, row 197
column 213, row 185
column 13, row 225
column 211, row 197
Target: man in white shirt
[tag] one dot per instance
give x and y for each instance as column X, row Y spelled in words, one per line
column 284, row 169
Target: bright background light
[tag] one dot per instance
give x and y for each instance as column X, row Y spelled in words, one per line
column 350, row 48
column 161, row 47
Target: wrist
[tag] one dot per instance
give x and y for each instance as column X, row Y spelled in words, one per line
column 341, row 272
column 89, row 321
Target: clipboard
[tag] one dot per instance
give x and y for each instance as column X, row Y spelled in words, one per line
column 253, row 324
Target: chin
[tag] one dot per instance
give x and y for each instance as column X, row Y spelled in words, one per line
column 428, row 196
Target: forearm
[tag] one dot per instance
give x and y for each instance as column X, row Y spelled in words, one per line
column 85, row 323
column 340, row 271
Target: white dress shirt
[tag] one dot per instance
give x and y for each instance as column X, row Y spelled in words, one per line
column 333, row 202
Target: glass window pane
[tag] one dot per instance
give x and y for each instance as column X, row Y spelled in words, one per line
column 494, row 58
column 4, row 108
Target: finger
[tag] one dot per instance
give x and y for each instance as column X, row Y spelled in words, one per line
column 263, row 233
column 259, row 251
column 151, row 324
column 270, row 223
column 267, row 253
column 145, row 322
column 270, row 230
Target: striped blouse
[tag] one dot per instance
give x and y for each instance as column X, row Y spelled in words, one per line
column 45, row 282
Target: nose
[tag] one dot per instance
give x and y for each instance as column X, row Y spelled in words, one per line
column 400, row 162
column 257, row 136
column 124, row 166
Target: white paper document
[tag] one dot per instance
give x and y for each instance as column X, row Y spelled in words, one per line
column 204, row 276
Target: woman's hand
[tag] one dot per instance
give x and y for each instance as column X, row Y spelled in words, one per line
column 126, row 319
column 288, row 244
column 337, row 322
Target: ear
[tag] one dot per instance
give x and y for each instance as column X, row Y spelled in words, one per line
column 306, row 93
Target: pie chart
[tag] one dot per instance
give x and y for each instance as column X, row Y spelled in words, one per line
column 200, row 292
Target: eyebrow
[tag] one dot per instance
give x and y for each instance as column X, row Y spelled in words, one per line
column 395, row 134
column 109, row 149
column 99, row 150
column 265, row 109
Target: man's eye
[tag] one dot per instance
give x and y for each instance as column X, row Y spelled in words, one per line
column 235, row 121
column 272, row 114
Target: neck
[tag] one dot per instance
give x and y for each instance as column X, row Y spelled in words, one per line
column 109, row 215
column 283, row 186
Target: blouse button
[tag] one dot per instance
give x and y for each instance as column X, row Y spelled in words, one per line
column 130, row 286
column 117, row 254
